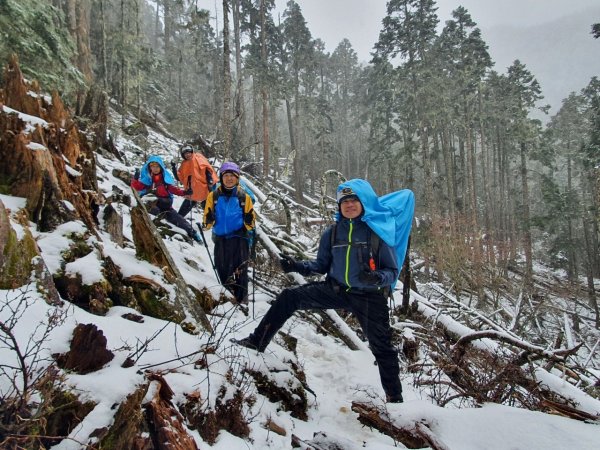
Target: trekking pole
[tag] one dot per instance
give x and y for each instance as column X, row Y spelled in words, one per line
column 208, row 251
column 253, row 261
column 407, row 279
column 190, row 200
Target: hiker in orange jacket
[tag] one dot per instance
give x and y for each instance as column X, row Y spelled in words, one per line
column 197, row 173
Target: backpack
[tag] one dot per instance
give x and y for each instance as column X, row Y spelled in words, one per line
column 241, row 196
column 373, row 241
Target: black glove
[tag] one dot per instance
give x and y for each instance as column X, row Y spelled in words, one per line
column 174, row 170
column 209, row 217
column 188, row 191
column 370, row 277
column 209, row 180
column 248, row 217
column 136, row 174
column 288, row 264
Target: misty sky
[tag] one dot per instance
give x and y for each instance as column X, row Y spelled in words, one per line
column 560, row 69
column 360, row 20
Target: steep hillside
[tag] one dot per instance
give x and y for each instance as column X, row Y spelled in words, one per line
column 103, row 342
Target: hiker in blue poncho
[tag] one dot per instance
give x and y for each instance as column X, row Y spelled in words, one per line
column 357, row 279
column 154, row 178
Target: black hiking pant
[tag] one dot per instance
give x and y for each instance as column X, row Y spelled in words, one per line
column 231, row 262
column 187, row 205
column 370, row 309
column 165, row 209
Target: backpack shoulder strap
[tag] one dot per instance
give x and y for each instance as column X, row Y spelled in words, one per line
column 241, row 195
column 375, row 240
column 332, row 235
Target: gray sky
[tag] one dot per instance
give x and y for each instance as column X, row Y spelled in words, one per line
column 360, row 20
column 511, row 28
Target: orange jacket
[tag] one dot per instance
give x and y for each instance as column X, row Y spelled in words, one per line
column 199, row 169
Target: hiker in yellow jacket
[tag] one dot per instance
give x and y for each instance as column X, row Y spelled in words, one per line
column 230, row 213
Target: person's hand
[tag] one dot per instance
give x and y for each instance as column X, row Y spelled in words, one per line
column 136, row 174
column 188, row 191
column 370, row 277
column 248, row 218
column 210, row 217
column 174, row 170
column 287, row 263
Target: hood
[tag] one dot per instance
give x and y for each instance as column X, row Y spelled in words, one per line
column 145, row 172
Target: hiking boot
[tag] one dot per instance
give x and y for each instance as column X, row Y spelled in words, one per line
column 246, row 342
column 396, row 398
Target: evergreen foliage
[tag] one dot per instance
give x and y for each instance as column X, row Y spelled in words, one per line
column 35, row 31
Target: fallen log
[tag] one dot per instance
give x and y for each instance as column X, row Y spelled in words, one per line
column 417, row 435
column 567, row 411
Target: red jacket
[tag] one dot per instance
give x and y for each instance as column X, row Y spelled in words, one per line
column 159, row 188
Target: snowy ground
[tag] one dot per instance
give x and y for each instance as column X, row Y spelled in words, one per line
column 335, row 374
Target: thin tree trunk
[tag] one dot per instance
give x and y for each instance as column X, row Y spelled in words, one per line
column 123, row 70
column 103, row 63
column 156, row 25
column 240, row 109
column 226, row 117
column 429, row 200
column 288, row 109
column 138, row 88
column 485, row 174
column 256, row 114
column 264, row 94
column 526, row 219
column 168, row 24
column 572, row 260
column 298, row 172
column 593, row 302
column 449, row 169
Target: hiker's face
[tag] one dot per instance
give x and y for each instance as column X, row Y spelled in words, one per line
column 187, row 156
column 229, row 180
column 351, row 208
column 155, row 168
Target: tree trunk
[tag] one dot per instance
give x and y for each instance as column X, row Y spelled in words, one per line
column 77, row 14
column 449, row 169
column 572, row 254
column 102, row 59
column 240, row 108
column 157, row 30
column 168, row 25
column 486, row 178
column 526, row 220
column 288, row 109
column 264, row 95
column 226, row 117
column 593, row 302
column 123, row 62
